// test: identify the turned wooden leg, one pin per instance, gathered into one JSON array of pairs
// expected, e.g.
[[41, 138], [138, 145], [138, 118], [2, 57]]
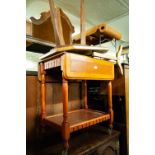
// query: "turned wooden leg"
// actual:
[[85, 94], [65, 123], [110, 109], [43, 99]]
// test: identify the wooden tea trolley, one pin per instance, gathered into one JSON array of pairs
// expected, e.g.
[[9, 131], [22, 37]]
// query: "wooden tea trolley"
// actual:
[[74, 66]]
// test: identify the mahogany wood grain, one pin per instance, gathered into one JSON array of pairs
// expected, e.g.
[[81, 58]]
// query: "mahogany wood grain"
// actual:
[[110, 108], [92, 119], [43, 93], [79, 119]]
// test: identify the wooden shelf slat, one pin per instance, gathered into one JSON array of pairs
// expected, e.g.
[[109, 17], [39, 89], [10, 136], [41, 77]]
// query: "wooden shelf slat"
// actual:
[[79, 118]]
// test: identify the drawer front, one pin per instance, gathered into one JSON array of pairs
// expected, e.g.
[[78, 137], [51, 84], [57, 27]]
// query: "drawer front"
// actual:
[[83, 67]]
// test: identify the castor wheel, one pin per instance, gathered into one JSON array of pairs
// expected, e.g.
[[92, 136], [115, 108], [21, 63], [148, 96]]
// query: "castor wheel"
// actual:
[[65, 152]]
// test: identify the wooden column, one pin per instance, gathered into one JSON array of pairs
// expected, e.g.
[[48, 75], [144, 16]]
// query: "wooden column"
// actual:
[[110, 104], [85, 94], [43, 98], [82, 23], [65, 124]]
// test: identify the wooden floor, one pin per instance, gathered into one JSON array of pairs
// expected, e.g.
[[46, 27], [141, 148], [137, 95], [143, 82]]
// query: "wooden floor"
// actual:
[[82, 142]]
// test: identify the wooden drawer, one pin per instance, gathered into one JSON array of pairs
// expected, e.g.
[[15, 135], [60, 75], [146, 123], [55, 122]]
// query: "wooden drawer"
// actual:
[[82, 67]]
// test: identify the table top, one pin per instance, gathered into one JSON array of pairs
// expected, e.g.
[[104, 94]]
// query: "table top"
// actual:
[[81, 49]]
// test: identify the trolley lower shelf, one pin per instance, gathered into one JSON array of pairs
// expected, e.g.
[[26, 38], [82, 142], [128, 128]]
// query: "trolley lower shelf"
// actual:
[[78, 119]]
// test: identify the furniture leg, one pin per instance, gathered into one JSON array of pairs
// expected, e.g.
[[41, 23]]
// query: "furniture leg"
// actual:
[[85, 94], [43, 99], [82, 23], [57, 25], [65, 123], [110, 109]]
